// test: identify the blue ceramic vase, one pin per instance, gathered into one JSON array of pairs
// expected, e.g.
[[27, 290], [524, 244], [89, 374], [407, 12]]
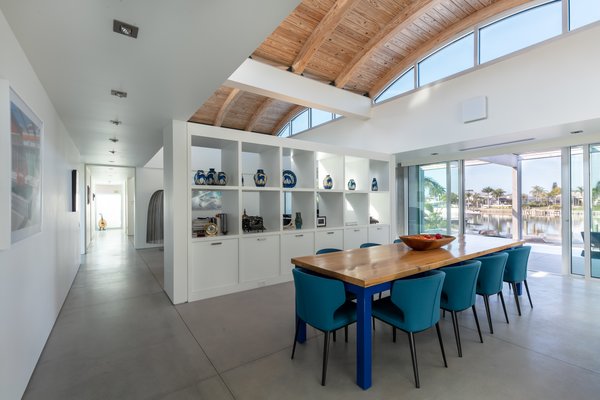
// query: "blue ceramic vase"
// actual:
[[222, 178], [200, 178], [327, 182], [374, 185], [351, 184], [260, 178], [211, 176], [298, 221]]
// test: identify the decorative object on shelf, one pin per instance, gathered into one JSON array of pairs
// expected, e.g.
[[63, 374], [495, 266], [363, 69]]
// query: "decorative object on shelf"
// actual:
[[298, 220], [211, 229], [211, 176], [155, 224], [373, 220], [200, 177], [222, 223], [374, 185], [321, 221], [289, 179], [426, 241], [252, 223], [200, 226], [203, 200], [221, 178], [351, 184], [288, 223], [327, 182], [260, 178]]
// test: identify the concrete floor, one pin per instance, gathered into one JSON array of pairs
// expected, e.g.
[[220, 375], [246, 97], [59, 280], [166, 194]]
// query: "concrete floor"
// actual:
[[119, 337]]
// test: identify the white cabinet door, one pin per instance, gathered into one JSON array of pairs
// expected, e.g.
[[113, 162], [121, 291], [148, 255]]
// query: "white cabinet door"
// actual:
[[354, 237], [214, 265], [259, 258], [295, 245], [379, 234], [329, 239]]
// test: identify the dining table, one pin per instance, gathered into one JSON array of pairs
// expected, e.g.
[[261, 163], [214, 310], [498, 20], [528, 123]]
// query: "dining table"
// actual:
[[368, 271]]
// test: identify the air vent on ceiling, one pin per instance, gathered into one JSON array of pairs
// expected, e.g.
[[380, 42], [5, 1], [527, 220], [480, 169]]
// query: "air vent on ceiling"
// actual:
[[125, 29], [496, 144]]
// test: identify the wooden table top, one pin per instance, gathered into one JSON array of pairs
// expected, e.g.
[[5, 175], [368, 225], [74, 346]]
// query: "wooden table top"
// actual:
[[379, 264]]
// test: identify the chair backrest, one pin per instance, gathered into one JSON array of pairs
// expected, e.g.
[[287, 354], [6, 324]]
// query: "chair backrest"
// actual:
[[419, 299], [328, 250], [491, 273], [317, 298], [458, 292], [516, 265], [365, 245], [397, 241]]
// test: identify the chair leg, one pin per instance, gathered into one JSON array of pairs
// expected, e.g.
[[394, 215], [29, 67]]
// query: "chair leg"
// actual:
[[373, 323], [437, 328], [413, 355], [334, 336], [477, 322], [295, 339], [486, 301], [346, 333], [394, 334], [514, 288], [456, 332], [325, 358], [528, 295], [503, 305]]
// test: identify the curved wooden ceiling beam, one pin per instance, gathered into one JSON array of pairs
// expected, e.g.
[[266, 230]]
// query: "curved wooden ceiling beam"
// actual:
[[330, 21], [233, 95], [441, 38], [258, 113], [404, 19], [286, 118]]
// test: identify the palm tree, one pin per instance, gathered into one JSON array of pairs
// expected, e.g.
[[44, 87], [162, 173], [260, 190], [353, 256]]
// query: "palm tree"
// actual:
[[488, 190], [433, 187], [538, 193], [554, 194], [497, 193]]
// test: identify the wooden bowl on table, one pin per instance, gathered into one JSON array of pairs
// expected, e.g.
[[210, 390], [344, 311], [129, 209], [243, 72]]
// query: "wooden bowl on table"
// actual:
[[426, 241]]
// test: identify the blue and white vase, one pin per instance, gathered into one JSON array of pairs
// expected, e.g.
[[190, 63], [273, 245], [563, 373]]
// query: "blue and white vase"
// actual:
[[211, 176], [260, 178], [328, 182], [200, 178], [374, 185], [351, 184], [222, 178]]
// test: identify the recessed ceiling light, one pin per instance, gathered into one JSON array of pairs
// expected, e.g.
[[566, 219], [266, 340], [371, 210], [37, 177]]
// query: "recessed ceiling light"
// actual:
[[116, 122], [118, 93], [114, 140], [125, 29], [576, 132]]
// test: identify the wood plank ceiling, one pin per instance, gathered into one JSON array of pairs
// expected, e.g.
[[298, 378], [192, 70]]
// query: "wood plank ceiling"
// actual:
[[356, 45]]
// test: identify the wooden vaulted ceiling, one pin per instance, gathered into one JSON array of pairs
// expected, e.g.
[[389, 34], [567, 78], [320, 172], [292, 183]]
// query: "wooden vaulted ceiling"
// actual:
[[355, 45]]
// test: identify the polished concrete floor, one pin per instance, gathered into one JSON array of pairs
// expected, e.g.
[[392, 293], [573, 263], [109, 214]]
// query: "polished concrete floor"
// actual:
[[119, 337]]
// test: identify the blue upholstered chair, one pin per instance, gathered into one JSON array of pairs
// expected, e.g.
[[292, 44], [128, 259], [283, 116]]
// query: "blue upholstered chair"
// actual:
[[321, 302], [489, 281], [516, 271], [397, 241], [328, 250], [458, 294], [365, 245], [414, 306]]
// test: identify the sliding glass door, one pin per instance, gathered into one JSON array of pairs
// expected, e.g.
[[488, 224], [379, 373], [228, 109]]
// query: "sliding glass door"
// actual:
[[594, 210]]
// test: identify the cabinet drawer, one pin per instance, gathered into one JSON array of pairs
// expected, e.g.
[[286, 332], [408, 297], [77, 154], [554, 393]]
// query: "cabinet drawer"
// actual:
[[329, 238], [259, 258], [214, 265], [296, 245], [379, 234], [354, 237]]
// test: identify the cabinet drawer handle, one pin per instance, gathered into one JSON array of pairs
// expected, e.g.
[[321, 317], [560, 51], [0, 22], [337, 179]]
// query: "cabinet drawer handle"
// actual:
[[357, 230], [216, 243], [300, 235], [261, 239], [379, 229], [330, 233]]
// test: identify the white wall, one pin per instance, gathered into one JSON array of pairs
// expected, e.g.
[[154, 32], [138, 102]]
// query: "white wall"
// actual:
[[147, 181], [36, 273], [555, 84]]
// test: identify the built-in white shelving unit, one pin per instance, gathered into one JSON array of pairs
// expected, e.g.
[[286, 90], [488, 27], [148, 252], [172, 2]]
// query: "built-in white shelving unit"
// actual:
[[240, 260]]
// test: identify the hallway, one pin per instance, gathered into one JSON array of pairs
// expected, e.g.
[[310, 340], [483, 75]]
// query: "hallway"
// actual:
[[119, 337]]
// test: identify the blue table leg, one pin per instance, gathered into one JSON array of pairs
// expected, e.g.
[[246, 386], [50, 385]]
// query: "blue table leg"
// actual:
[[363, 339]]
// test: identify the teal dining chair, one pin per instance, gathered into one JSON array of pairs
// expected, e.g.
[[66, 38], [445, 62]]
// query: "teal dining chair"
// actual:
[[458, 294], [321, 303], [414, 306], [397, 241], [349, 295], [328, 250], [489, 281], [365, 245], [516, 271]]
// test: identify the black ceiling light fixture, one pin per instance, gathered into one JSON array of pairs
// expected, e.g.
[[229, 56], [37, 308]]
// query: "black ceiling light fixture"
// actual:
[[576, 132], [125, 29], [113, 151], [114, 139], [118, 93], [116, 122]]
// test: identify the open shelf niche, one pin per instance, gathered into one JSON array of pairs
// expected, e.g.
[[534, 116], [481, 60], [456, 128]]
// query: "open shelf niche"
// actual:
[[358, 169], [209, 203], [265, 204], [220, 154], [356, 207], [302, 202], [333, 165], [301, 163], [329, 205], [259, 156], [380, 170], [379, 207]]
